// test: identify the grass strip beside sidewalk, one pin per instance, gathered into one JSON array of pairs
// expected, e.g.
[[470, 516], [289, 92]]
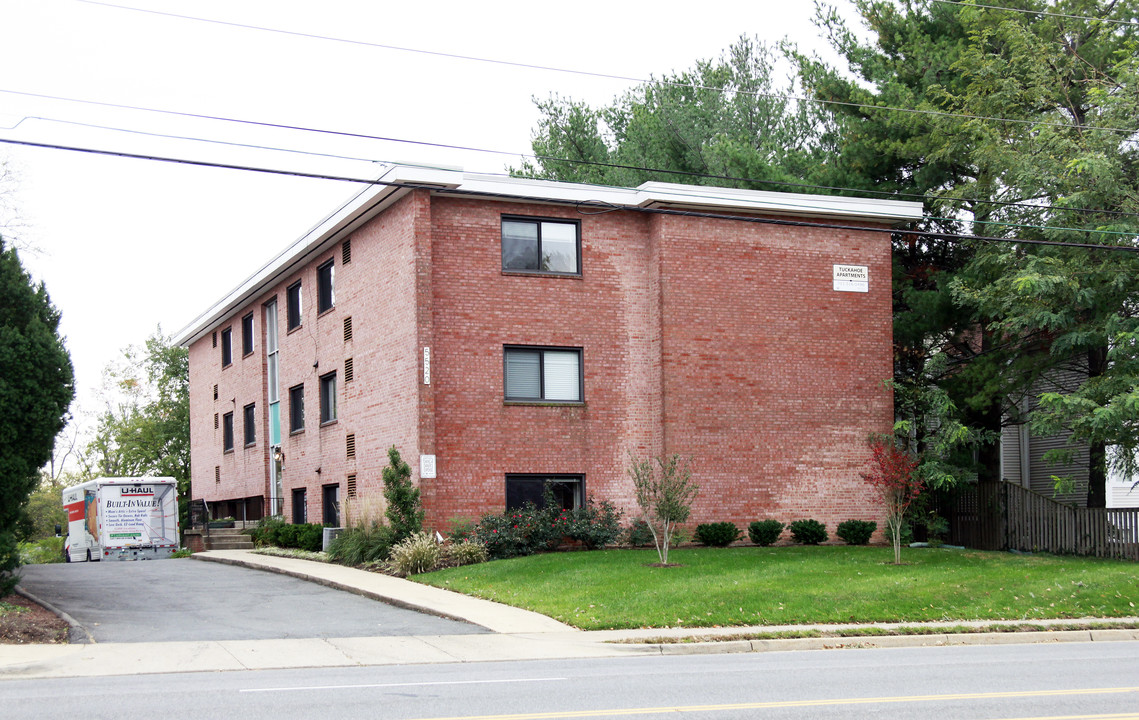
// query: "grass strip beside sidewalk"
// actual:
[[712, 587]]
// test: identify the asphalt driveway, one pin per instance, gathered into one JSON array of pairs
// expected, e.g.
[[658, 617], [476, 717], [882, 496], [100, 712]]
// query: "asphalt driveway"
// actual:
[[184, 600]]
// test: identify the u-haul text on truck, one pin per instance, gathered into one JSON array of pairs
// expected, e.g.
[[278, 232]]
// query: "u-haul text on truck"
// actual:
[[121, 519]]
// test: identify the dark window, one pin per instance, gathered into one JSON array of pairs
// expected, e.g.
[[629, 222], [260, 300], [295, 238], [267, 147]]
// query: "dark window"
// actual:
[[545, 374], [227, 432], [330, 503], [325, 294], [327, 397], [250, 424], [300, 512], [525, 489], [293, 303], [247, 334], [226, 347], [541, 246], [296, 408]]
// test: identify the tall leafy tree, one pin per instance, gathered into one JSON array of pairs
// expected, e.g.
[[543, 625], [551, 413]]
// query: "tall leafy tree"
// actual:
[[36, 389], [726, 118], [145, 429]]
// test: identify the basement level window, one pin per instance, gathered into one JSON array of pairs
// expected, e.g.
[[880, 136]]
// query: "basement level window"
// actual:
[[524, 488]]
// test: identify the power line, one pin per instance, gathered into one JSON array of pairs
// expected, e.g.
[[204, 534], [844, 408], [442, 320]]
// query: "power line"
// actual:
[[608, 76], [552, 159], [1045, 13], [249, 146], [576, 203]]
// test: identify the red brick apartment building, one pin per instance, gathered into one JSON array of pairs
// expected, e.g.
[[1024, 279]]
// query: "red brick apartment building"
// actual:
[[505, 334]]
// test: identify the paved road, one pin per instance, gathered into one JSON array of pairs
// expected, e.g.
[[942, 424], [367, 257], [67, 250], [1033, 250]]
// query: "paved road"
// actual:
[[1074, 680], [183, 600]]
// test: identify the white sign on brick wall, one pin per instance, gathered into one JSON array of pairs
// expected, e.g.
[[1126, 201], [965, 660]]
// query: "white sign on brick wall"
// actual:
[[427, 466], [426, 366], [851, 278]]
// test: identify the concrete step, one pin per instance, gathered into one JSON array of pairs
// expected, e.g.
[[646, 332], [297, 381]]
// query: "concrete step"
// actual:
[[240, 542]]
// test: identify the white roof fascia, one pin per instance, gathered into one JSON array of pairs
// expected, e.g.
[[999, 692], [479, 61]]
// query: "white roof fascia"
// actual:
[[397, 180], [658, 194]]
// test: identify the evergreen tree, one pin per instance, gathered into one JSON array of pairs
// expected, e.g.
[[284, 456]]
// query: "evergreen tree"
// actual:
[[36, 389]]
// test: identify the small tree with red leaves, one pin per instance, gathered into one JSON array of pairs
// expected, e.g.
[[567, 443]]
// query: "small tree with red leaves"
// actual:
[[892, 475]]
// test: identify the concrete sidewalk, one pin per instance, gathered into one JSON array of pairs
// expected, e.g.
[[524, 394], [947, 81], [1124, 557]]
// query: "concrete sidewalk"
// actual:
[[518, 635]]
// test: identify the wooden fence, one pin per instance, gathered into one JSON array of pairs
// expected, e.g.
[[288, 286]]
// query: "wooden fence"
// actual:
[[1003, 516]]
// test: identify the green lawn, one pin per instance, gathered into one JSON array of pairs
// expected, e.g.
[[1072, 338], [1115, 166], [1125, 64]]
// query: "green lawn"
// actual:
[[785, 585]]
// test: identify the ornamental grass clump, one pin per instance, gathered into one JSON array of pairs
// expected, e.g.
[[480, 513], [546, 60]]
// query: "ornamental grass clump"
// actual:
[[415, 554]]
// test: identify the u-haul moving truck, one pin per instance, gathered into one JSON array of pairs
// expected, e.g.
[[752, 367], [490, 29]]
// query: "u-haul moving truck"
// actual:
[[121, 519]]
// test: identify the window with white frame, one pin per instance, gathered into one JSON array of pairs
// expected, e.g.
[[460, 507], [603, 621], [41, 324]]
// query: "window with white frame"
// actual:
[[542, 374], [325, 293], [328, 398]]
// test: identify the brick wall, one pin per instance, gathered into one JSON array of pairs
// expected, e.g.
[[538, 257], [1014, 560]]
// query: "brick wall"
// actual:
[[717, 339]]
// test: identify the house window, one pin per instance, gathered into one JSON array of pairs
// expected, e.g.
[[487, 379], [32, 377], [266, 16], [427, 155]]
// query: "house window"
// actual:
[[325, 295], [293, 306], [247, 334], [541, 246], [227, 432], [328, 398], [227, 347], [297, 408], [542, 374], [250, 424], [523, 489]]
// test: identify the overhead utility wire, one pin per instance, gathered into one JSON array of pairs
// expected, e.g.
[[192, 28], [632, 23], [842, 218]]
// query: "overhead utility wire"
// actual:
[[550, 158], [577, 203], [249, 146], [608, 76], [1039, 12]]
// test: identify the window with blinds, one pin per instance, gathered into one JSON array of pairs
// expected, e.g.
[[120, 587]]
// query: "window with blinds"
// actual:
[[542, 374]]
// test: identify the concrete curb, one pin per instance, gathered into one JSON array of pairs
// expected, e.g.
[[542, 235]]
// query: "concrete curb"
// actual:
[[77, 635]]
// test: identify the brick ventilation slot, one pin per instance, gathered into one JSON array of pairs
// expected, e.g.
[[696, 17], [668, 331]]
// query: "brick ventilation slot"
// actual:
[[350, 442], [215, 338], [215, 421], [217, 473], [348, 371], [215, 392], [352, 485], [347, 328], [346, 252]]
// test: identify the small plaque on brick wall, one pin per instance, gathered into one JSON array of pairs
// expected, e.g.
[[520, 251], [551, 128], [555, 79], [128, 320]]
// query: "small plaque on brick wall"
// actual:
[[851, 278], [427, 466], [426, 366]]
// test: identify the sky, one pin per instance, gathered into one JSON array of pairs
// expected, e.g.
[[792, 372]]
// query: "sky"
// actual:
[[126, 246]]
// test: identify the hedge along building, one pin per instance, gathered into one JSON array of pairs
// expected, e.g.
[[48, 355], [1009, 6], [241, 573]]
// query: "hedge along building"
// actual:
[[508, 334]]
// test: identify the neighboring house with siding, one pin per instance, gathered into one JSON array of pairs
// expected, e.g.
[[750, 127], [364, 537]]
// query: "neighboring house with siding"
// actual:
[[508, 335], [1023, 453]]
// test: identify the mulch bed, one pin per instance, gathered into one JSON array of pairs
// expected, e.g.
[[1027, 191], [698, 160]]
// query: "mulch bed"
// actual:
[[36, 625]]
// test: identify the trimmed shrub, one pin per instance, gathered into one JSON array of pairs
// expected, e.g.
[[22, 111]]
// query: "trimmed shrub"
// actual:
[[460, 529], [717, 534], [638, 534], [808, 532], [417, 553], [765, 532], [362, 544], [856, 532]]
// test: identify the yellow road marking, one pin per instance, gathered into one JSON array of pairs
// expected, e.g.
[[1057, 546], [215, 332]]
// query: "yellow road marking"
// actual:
[[614, 712]]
